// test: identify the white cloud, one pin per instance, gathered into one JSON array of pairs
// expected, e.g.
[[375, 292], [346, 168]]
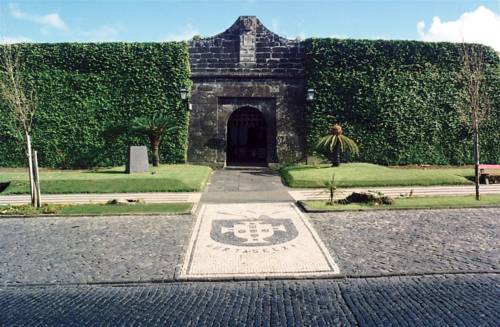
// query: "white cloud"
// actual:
[[103, 33], [47, 22], [14, 39], [479, 26], [186, 33]]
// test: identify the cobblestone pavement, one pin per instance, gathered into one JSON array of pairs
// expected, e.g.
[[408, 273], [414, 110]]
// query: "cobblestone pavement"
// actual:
[[89, 249], [445, 300], [102, 249], [412, 241]]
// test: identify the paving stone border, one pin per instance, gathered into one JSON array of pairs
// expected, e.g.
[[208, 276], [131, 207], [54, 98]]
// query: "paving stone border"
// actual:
[[444, 300]]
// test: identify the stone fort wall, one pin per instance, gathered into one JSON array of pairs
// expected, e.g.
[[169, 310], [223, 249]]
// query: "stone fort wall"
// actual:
[[246, 65]]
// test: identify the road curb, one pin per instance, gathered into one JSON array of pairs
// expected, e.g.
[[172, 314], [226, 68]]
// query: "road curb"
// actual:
[[303, 206], [177, 280]]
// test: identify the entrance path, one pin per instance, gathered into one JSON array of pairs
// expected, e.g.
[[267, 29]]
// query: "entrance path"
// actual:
[[245, 185], [255, 240]]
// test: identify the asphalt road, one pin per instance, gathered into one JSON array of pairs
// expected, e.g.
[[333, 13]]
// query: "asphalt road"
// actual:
[[438, 300]]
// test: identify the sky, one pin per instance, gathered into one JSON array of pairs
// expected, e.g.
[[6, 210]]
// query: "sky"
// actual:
[[174, 20]]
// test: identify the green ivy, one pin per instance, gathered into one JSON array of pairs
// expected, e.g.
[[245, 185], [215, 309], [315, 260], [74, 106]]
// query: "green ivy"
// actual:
[[398, 100], [88, 93]]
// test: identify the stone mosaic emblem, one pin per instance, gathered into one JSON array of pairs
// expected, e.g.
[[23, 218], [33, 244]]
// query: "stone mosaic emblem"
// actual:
[[250, 232], [255, 240]]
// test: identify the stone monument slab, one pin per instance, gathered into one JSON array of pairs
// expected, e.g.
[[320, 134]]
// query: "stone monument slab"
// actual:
[[137, 160]]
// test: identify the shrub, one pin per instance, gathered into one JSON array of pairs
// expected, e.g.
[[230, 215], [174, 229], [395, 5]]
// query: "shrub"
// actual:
[[398, 100], [86, 92]]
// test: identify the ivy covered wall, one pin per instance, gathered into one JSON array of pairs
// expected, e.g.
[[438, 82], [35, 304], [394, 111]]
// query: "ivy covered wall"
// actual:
[[398, 100], [88, 93]]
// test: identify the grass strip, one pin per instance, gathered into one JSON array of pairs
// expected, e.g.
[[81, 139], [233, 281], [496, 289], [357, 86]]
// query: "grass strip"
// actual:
[[96, 209], [438, 202], [166, 178], [371, 175]]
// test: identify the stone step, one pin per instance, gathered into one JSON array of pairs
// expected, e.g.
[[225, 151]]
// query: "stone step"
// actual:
[[320, 194], [173, 197]]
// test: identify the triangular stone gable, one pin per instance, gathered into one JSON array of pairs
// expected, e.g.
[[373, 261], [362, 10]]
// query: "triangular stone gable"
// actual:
[[249, 48]]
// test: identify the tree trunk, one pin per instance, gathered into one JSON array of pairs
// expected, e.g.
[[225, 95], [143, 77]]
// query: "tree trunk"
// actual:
[[36, 178], [335, 155], [155, 149], [30, 168], [476, 157]]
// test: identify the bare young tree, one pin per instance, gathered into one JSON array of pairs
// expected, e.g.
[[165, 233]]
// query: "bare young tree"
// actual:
[[20, 100], [476, 104]]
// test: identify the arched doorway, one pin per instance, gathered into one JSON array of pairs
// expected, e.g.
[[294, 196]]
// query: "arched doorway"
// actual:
[[246, 137]]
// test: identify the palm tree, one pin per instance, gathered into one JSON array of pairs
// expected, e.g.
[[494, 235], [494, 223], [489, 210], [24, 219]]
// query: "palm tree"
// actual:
[[154, 127], [335, 143]]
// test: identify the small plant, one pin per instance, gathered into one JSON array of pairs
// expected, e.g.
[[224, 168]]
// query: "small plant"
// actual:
[[27, 210], [17, 210], [335, 143], [368, 198], [332, 188], [50, 208]]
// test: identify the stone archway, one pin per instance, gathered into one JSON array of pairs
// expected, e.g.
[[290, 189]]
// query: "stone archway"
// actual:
[[246, 137]]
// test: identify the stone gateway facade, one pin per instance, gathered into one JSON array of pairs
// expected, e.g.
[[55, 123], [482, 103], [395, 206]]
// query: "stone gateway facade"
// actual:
[[248, 97]]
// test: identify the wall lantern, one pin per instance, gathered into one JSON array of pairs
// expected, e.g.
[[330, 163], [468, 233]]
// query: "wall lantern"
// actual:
[[184, 94], [185, 98], [310, 95]]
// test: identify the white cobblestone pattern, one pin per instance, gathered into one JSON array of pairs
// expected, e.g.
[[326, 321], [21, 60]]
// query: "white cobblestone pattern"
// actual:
[[257, 240]]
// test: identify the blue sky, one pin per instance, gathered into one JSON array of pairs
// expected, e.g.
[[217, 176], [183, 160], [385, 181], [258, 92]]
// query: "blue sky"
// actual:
[[113, 20]]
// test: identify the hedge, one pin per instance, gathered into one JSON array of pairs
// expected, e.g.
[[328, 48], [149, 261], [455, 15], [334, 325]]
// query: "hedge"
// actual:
[[87, 93], [398, 100]]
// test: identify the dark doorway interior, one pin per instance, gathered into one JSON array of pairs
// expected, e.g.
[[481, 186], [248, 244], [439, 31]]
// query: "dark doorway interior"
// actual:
[[246, 137]]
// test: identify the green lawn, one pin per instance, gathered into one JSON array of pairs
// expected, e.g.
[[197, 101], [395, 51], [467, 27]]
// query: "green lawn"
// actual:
[[98, 209], [166, 178], [365, 174], [413, 203]]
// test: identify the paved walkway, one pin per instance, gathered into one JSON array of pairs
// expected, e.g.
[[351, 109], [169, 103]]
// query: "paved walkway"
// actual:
[[446, 300], [245, 185]]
